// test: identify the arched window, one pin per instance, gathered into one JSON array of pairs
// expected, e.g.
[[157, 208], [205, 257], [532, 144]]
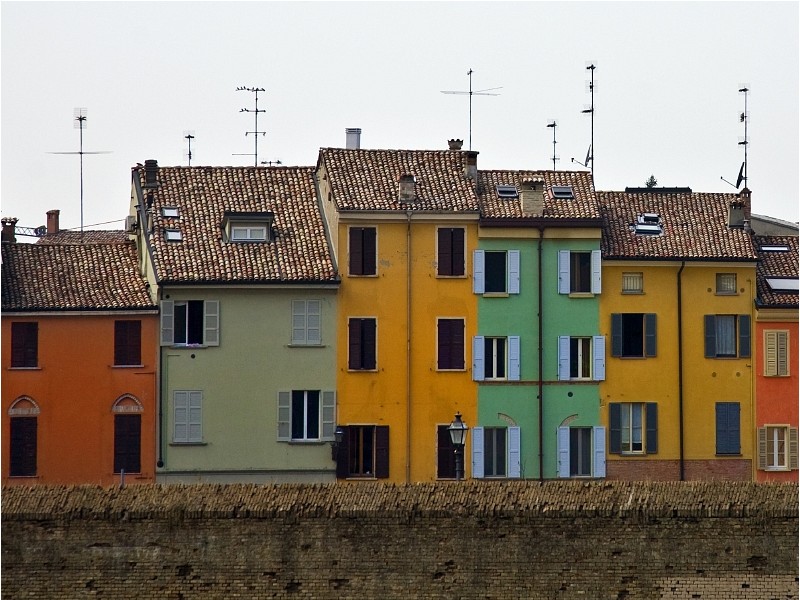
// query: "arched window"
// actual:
[[127, 411], [24, 425]]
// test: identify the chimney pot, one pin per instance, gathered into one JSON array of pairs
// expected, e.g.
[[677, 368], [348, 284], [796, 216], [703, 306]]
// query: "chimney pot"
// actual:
[[407, 191], [151, 173], [52, 221], [353, 138], [8, 234], [455, 144], [471, 166]]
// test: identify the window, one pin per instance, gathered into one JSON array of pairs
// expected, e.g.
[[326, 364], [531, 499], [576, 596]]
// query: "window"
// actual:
[[726, 283], [190, 323], [495, 272], [127, 443], [362, 344], [648, 224], [581, 452], [188, 415], [579, 272], [783, 284], [450, 252], [633, 428], [562, 192], [306, 415], [363, 249], [582, 358], [496, 452], [633, 335], [506, 191], [727, 336], [777, 448], [633, 283], [243, 227], [495, 358], [450, 344], [776, 353], [127, 343], [445, 453], [24, 344], [364, 452], [173, 235], [306, 322], [728, 439], [23, 447], [245, 233], [170, 211]]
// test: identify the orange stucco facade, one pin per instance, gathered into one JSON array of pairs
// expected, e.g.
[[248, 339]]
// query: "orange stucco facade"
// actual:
[[76, 394]]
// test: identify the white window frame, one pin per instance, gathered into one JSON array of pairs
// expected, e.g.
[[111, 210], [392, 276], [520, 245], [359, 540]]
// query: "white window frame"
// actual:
[[306, 322], [479, 272], [628, 424], [598, 453], [564, 274], [173, 235], [769, 440], [726, 284], [248, 233], [513, 453], [776, 353], [513, 362], [211, 323], [187, 425], [597, 359], [327, 416]]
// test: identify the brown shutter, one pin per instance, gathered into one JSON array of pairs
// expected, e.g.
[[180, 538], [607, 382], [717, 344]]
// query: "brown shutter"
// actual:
[[382, 451], [354, 344], [445, 251], [458, 252], [24, 344], [23, 447], [127, 342], [445, 457], [356, 251], [127, 443], [343, 456], [370, 250]]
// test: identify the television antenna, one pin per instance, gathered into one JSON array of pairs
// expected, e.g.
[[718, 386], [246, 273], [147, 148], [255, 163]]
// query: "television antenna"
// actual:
[[486, 92], [270, 163], [189, 136], [80, 118], [553, 124], [255, 112], [589, 161], [743, 118]]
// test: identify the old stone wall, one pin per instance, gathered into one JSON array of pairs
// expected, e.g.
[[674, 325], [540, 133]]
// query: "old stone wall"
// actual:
[[721, 541]]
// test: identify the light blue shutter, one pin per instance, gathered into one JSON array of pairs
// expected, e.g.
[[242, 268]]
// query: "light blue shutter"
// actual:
[[513, 271], [180, 431], [478, 283], [514, 445], [478, 369], [513, 358], [195, 416], [599, 440], [477, 452], [314, 331], [211, 322], [284, 416], [563, 357], [298, 322], [596, 266], [328, 416], [563, 271], [599, 357], [563, 451], [167, 322]]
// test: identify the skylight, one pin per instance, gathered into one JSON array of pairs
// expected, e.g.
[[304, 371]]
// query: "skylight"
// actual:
[[170, 211], [505, 190], [779, 248], [783, 284], [648, 224], [562, 192], [173, 235]]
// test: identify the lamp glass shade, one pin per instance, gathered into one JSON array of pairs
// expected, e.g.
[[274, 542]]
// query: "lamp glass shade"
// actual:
[[339, 435], [458, 431]]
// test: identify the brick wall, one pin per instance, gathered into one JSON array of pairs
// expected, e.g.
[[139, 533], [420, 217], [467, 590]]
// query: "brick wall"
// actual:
[[446, 540], [669, 470]]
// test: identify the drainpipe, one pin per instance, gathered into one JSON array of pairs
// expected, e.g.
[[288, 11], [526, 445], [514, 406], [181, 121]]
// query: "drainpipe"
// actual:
[[680, 370], [160, 391], [408, 346], [541, 363]]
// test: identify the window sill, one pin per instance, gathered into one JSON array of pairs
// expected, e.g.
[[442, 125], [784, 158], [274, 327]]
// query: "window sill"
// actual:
[[731, 454], [776, 469], [371, 275], [726, 293], [306, 442], [439, 276], [633, 292], [581, 295], [25, 368], [361, 478], [24, 477], [188, 443], [362, 370], [127, 366], [187, 346], [496, 294], [306, 345]]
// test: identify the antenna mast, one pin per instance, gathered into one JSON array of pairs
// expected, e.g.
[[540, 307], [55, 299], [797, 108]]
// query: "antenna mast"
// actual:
[[256, 110], [744, 117], [471, 94], [189, 136], [554, 124], [590, 155]]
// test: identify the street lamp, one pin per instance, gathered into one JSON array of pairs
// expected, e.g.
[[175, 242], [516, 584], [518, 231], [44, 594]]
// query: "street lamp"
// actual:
[[458, 435], [338, 438]]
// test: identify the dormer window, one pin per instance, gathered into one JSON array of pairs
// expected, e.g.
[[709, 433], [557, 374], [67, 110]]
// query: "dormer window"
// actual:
[[173, 235], [648, 224], [243, 233], [241, 227], [783, 284], [562, 192], [506, 191], [170, 212]]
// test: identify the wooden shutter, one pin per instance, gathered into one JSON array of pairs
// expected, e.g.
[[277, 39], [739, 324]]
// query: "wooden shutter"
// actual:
[[563, 357], [478, 364], [369, 344], [313, 322], [24, 344], [180, 431], [127, 342], [195, 424], [450, 351], [382, 451], [370, 250], [599, 357], [299, 322], [211, 322], [356, 251], [514, 453], [776, 353], [744, 336], [650, 334], [445, 454], [167, 322], [477, 452], [651, 427], [562, 439], [793, 448], [328, 416], [614, 428], [728, 438], [782, 343], [127, 443], [458, 252], [596, 276], [444, 259], [343, 455], [478, 272], [513, 271], [354, 360], [284, 416], [599, 442], [616, 334], [513, 358], [23, 446], [762, 448], [563, 271], [710, 324]]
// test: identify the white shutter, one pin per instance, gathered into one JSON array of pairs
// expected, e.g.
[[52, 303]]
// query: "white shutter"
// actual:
[[513, 271], [513, 358], [195, 416], [298, 322], [762, 448], [596, 271], [284, 416], [211, 322], [563, 271], [599, 357], [180, 426], [477, 452], [563, 451], [328, 415], [167, 322], [478, 283], [563, 357], [478, 368], [514, 447], [782, 343], [314, 323], [770, 353], [793, 448], [599, 441]]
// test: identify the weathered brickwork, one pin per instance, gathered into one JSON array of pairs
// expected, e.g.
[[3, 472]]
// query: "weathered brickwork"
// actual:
[[670, 470], [712, 541]]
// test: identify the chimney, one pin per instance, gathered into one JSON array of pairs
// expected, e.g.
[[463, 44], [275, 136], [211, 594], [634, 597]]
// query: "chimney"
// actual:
[[455, 144], [151, 174], [353, 135], [745, 196], [471, 168], [8, 234], [736, 214], [407, 189], [532, 197], [52, 221]]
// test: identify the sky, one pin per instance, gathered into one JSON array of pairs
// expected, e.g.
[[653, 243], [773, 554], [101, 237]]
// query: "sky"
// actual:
[[666, 91]]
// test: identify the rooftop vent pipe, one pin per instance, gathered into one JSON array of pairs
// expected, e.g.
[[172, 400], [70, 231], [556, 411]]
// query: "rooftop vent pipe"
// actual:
[[353, 138]]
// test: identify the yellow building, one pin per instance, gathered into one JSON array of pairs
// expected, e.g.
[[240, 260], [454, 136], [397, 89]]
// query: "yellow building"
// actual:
[[403, 225], [677, 303]]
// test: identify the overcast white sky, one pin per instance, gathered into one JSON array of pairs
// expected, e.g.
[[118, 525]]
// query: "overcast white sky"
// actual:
[[666, 90]]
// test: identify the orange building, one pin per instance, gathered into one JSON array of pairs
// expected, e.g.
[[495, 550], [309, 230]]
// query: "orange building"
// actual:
[[776, 365], [78, 358]]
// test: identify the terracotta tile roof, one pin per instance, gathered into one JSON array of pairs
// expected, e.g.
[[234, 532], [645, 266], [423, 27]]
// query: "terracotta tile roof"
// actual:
[[776, 264], [88, 237], [582, 206], [72, 277], [367, 180], [694, 227], [298, 253]]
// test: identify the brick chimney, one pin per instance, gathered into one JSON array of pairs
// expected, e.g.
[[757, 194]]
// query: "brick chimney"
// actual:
[[353, 138], [532, 197], [745, 197], [151, 174], [52, 221], [471, 167], [8, 234], [407, 189], [455, 144]]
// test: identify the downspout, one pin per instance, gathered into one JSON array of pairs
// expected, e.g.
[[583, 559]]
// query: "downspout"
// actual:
[[541, 363], [680, 370], [160, 432], [408, 346]]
